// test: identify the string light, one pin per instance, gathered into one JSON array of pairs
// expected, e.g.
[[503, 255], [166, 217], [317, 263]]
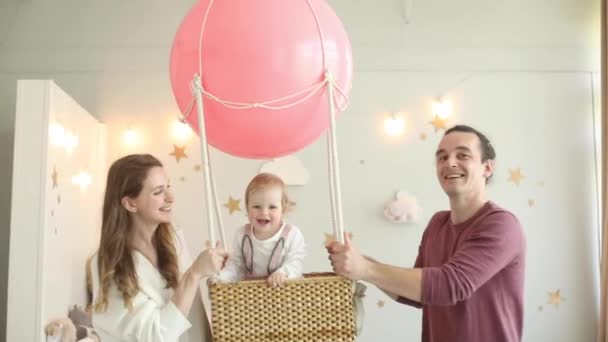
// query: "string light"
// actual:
[[70, 142], [82, 179], [61, 137], [181, 131], [56, 134], [442, 109], [394, 125], [130, 137]]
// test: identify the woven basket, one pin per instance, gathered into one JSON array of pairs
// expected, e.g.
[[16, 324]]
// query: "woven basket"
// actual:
[[317, 308]]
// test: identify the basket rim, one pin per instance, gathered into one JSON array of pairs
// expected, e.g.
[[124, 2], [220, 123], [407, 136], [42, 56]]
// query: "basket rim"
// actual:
[[306, 277]]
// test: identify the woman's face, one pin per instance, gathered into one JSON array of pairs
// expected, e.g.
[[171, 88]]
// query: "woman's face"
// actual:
[[154, 203]]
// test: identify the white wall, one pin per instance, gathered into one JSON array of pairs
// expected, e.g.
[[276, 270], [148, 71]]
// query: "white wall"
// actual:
[[55, 223], [520, 59]]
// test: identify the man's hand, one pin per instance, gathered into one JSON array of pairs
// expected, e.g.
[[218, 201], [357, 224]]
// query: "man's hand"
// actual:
[[347, 261]]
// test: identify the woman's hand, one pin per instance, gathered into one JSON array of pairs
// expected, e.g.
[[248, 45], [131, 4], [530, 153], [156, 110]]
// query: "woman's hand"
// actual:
[[209, 261]]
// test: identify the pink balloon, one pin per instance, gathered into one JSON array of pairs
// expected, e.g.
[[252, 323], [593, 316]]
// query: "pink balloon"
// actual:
[[255, 51]]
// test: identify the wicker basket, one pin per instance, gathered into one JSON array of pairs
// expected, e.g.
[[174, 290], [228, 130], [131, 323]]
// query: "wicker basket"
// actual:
[[317, 308]]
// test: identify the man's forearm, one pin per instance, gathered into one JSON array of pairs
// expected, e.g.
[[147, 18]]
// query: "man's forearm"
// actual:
[[405, 282]]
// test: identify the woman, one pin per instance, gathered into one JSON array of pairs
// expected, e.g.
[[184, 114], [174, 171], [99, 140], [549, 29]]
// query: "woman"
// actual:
[[144, 286]]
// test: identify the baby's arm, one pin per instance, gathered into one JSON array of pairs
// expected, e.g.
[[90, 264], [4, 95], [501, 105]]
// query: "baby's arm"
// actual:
[[235, 268], [295, 251]]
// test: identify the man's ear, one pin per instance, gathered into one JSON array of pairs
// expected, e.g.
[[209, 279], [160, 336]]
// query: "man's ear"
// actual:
[[488, 168], [128, 204]]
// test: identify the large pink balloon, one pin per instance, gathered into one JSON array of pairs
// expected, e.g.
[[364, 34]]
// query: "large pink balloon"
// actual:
[[255, 51]]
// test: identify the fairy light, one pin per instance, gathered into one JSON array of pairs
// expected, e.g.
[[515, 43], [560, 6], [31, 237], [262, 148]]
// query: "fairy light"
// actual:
[[394, 125], [442, 109], [82, 179], [181, 131], [130, 137]]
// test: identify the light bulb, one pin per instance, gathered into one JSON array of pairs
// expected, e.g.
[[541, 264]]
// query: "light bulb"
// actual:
[[83, 180], [70, 142], [442, 109], [130, 137], [181, 131], [394, 125], [56, 134]]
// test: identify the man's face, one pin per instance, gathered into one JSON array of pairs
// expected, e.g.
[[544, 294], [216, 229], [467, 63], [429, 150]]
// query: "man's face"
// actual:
[[459, 167]]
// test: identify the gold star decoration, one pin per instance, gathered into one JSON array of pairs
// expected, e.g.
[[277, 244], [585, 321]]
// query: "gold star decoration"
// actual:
[[233, 205], [556, 298], [422, 136], [329, 238], [439, 123], [54, 176], [197, 167], [179, 152], [515, 176], [531, 202], [380, 304]]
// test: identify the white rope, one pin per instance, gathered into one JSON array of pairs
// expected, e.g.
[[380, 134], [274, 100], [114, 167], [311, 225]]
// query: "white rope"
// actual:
[[332, 193], [205, 157], [216, 203], [242, 105], [334, 165], [200, 41], [314, 14]]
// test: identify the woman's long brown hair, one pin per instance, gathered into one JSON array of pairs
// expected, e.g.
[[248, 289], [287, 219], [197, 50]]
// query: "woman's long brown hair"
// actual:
[[114, 257]]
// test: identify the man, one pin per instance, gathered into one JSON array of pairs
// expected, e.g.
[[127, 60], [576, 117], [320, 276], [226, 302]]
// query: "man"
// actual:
[[469, 274]]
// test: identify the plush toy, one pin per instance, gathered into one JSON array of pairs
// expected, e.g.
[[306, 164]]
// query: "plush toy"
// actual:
[[83, 322], [403, 209], [60, 330], [77, 327]]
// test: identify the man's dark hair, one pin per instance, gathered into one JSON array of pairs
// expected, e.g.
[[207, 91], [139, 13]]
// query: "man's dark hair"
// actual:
[[487, 150]]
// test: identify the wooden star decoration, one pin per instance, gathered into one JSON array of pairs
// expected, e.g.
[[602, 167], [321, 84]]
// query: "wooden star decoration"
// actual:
[[439, 123], [380, 304], [515, 176], [531, 202], [329, 238], [179, 152], [233, 205], [54, 177], [555, 298]]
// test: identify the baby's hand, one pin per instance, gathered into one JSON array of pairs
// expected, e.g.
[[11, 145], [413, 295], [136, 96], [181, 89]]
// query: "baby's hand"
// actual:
[[276, 279]]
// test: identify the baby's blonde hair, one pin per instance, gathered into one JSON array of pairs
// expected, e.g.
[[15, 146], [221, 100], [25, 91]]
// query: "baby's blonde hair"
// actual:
[[266, 180]]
